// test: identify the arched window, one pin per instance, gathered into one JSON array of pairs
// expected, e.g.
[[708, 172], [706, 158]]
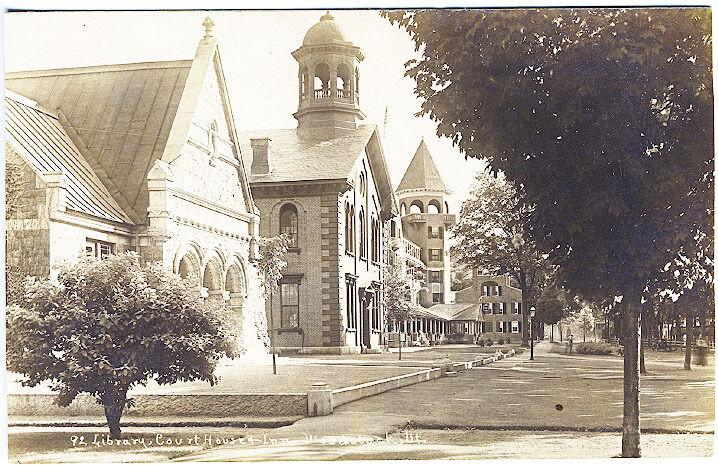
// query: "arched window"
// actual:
[[374, 242], [289, 224], [434, 207], [362, 184], [403, 209], [446, 207], [349, 228], [362, 234], [213, 141]]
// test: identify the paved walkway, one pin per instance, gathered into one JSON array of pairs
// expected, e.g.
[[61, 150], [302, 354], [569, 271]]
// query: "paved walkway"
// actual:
[[553, 392], [296, 374]]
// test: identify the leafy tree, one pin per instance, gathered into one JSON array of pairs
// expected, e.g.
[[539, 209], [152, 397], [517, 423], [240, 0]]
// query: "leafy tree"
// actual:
[[271, 263], [105, 326], [604, 117], [398, 306], [491, 236], [553, 305]]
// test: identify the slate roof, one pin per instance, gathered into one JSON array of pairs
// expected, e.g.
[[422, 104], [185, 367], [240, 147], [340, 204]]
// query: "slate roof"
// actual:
[[118, 115], [295, 159], [422, 173], [37, 136]]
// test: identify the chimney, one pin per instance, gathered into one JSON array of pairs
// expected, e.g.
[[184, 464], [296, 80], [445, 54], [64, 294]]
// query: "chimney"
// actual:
[[260, 156]]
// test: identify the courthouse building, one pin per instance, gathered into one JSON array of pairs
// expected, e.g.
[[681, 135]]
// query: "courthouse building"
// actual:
[[117, 157], [325, 183]]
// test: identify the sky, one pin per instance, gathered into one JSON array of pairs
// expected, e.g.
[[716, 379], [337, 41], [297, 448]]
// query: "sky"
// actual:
[[260, 73]]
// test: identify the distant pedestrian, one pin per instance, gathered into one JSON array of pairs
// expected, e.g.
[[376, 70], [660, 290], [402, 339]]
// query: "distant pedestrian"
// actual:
[[701, 351], [570, 344]]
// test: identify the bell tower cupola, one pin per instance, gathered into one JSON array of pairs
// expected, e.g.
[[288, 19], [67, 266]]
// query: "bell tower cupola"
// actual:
[[328, 82]]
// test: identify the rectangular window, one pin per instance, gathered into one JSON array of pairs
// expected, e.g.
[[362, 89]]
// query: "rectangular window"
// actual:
[[438, 298], [485, 290], [486, 308], [435, 232], [435, 276], [435, 255], [502, 308], [289, 298], [489, 325], [500, 326], [351, 302], [514, 326], [517, 308], [99, 249]]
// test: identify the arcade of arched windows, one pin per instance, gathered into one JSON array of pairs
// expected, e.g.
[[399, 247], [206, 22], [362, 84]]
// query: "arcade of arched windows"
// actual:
[[215, 277]]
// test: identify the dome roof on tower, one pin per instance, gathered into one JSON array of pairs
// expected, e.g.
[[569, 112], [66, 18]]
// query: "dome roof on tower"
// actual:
[[325, 31]]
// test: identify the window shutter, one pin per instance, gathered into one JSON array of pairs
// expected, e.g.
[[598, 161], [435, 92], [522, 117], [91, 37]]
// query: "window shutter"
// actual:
[[519, 326], [499, 289]]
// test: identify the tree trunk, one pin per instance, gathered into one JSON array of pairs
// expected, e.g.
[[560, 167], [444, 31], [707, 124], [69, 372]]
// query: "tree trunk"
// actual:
[[642, 348], [114, 404], [399, 342], [690, 323], [631, 441]]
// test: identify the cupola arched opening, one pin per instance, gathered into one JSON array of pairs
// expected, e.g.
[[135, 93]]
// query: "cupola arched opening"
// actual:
[[403, 208], [446, 207], [344, 81], [433, 207], [304, 83], [417, 206], [322, 81]]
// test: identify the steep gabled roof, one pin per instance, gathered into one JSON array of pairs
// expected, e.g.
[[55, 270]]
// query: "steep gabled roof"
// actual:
[[422, 173], [119, 116], [37, 136]]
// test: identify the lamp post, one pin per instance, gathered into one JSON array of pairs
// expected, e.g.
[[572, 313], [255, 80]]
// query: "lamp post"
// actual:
[[531, 330]]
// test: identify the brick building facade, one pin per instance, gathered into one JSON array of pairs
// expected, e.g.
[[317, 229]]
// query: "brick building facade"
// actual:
[[326, 184]]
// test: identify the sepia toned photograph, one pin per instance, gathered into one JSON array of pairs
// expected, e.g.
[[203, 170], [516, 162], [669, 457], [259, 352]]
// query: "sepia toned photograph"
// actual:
[[354, 233]]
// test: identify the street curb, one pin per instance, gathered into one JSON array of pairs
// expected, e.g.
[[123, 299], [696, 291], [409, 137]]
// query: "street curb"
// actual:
[[219, 422], [551, 428]]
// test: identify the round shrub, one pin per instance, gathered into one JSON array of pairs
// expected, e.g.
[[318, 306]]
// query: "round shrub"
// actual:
[[489, 342]]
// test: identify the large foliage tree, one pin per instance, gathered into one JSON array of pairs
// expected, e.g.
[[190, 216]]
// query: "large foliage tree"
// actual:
[[604, 117], [104, 326], [491, 236]]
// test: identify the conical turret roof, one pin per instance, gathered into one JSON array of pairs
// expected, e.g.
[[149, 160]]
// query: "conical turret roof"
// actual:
[[422, 173]]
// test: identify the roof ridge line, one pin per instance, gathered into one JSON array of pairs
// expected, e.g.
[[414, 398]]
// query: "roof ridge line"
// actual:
[[114, 67]]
